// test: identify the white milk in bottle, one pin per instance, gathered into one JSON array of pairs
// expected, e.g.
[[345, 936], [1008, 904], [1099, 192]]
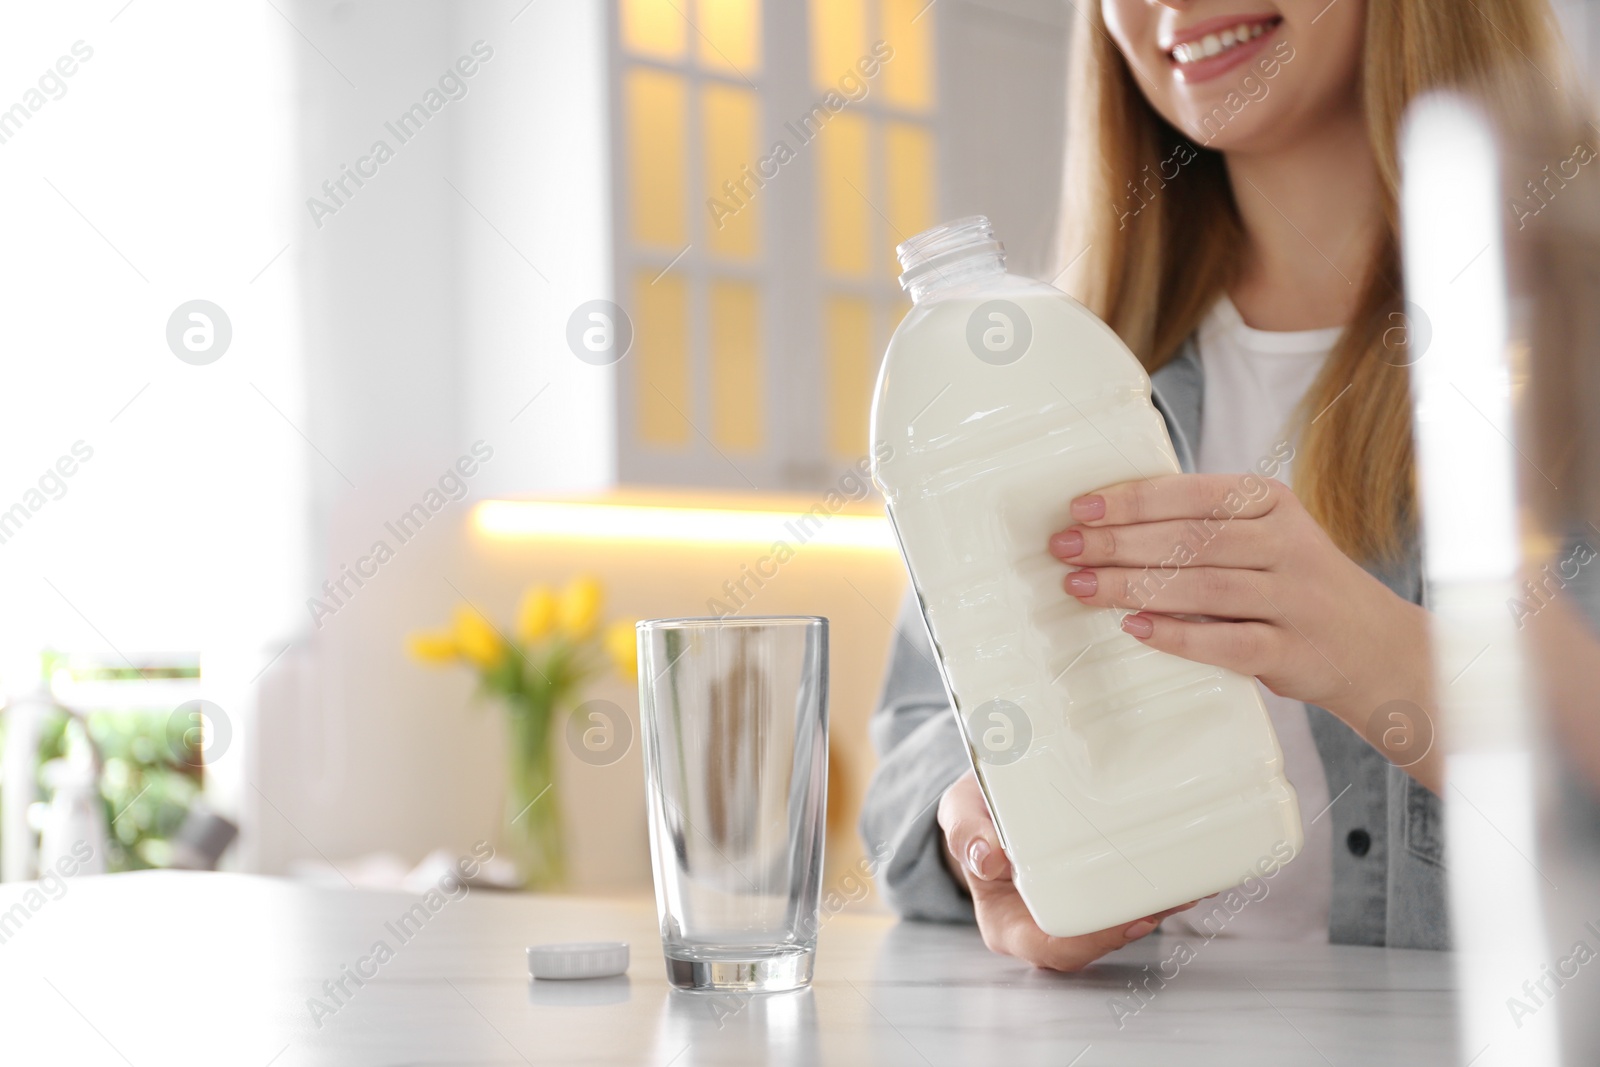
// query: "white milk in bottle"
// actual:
[[1123, 780]]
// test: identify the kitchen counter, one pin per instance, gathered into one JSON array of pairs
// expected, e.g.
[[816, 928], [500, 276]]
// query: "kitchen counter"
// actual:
[[168, 968]]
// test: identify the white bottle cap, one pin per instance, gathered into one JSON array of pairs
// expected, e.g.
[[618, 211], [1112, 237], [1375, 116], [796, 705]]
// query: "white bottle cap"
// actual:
[[582, 959]]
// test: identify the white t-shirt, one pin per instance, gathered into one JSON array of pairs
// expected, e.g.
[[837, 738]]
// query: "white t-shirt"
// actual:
[[1254, 382]]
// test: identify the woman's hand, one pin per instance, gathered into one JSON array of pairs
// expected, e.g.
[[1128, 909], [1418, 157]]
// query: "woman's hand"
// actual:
[[972, 852], [1282, 602]]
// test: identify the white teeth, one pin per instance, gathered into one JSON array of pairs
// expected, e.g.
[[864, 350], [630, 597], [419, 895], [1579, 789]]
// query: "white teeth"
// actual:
[[1215, 44]]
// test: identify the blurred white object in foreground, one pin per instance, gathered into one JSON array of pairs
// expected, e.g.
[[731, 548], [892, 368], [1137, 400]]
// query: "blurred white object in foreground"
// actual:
[[1455, 283]]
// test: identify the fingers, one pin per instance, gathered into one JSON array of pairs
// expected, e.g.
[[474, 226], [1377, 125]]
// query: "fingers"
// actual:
[[1008, 929], [1134, 931], [971, 840], [1168, 545], [1245, 647], [1180, 496], [1224, 592]]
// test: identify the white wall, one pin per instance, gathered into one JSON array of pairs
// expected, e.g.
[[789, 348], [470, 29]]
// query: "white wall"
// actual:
[[429, 330], [1002, 83], [533, 157], [151, 176]]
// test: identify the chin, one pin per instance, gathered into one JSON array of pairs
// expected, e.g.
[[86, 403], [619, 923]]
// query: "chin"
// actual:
[[1227, 112], [1257, 128]]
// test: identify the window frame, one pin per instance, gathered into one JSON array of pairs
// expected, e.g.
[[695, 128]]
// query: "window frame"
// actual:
[[787, 270]]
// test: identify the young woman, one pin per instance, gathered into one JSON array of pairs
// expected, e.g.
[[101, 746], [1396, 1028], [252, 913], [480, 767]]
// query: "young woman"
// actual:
[[1231, 210]]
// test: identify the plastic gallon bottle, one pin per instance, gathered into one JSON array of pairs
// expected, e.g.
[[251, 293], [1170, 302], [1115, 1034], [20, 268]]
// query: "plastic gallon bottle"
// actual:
[[1122, 780]]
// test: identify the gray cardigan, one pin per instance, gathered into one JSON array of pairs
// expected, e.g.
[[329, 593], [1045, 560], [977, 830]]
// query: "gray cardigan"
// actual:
[[1388, 831]]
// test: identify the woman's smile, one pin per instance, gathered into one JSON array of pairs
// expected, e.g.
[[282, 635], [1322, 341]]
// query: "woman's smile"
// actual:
[[1297, 63], [1208, 49]]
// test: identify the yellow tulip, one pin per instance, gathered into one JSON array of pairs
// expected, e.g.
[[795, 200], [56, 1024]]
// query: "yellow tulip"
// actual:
[[536, 616], [623, 647], [580, 608], [477, 640], [432, 647]]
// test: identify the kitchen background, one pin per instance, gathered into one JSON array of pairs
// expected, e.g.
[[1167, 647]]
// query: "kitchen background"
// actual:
[[722, 182]]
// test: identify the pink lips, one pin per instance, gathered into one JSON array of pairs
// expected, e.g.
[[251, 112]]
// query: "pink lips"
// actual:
[[1214, 66]]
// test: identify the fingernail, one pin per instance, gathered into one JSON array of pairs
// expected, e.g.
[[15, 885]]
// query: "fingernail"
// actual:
[[1138, 929], [1089, 507], [1138, 626], [1082, 583], [1067, 543], [977, 852]]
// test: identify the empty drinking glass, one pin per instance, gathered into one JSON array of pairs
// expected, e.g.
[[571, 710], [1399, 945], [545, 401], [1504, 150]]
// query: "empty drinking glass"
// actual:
[[734, 717]]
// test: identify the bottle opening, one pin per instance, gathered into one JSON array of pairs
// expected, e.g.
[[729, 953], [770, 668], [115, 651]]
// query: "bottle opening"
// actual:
[[947, 253]]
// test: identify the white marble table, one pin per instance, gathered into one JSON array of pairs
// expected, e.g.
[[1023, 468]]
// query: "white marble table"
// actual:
[[170, 968]]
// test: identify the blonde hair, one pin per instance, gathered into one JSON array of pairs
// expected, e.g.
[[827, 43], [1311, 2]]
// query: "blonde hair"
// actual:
[[1154, 274]]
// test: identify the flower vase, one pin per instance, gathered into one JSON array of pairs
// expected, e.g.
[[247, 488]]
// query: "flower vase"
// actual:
[[533, 808]]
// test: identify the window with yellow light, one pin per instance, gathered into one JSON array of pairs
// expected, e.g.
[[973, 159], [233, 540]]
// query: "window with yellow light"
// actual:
[[710, 110], [875, 188]]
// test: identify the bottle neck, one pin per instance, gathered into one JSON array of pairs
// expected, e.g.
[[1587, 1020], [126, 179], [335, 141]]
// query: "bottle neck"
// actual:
[[950, 256], [952, 275]]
